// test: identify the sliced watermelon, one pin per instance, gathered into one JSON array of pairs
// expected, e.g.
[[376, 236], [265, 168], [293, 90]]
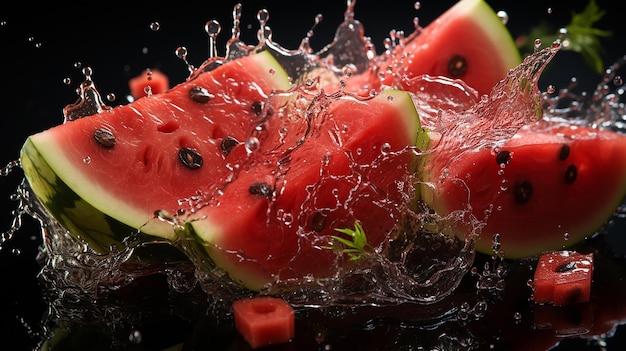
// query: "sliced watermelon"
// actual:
[[104, 176], [354, 165], [259, 181], [469, 42], [548, 187]]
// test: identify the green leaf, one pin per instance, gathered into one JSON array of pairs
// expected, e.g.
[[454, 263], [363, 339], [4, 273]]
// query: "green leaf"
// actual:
[[354, 248], [579, 36]]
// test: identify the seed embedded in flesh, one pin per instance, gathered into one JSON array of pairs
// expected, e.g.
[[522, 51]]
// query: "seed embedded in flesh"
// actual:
[[228, 144], [257, 107], [564, 152], [190, 158], [503, 157], [319, 222], [104, 138], [261, 189], [523, 191], [200, 94], [457, 66], [566, 267], [570, 174]]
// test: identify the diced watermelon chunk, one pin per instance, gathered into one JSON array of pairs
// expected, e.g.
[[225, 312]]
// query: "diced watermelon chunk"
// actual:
[[149, 82], [264, 321], [563, 278]]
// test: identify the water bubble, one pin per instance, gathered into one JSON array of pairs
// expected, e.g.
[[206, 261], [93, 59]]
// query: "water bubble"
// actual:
[[135, 336], [155, 26], [504, 17], [417, 5], [617, 80], [549, 10], [87, 159], [213, 29], [111, 96], [319, 337], [181, 53], [252, 144], [67, 81], [550, 89]]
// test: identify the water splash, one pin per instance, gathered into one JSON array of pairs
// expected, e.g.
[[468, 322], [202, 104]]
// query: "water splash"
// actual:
[[418, 265]]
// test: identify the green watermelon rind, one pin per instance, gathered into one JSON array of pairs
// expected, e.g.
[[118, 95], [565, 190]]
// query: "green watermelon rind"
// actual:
[[493, 28], [87, 210], [80, 218]]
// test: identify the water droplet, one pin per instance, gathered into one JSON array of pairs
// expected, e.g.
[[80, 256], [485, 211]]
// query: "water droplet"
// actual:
[[417, 5], [252, 144], [213, 29], [504, 17], [155, 26], [87, 159], [135, 336]]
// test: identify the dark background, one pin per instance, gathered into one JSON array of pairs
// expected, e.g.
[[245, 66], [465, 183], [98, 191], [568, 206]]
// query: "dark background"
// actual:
[[39, 46]]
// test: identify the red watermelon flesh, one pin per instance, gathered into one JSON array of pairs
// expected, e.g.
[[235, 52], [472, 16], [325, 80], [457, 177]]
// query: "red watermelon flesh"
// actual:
[[548, 187], [353, 165], [533, 186], [120, 166], [259, 181], [469, 42]]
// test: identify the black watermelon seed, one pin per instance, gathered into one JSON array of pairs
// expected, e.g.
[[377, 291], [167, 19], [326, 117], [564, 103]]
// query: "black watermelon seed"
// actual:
[[104, 138], [523, 191], [319, 221], [257, 107], [503, 157], [200, 94], [190, 158], [566, 267], [228, 144], [564, 152], [457, 65], [570, 174], [261, 189]]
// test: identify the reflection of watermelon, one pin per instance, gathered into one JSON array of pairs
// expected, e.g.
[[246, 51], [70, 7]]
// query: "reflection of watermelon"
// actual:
[[261, 180], [468, 42]]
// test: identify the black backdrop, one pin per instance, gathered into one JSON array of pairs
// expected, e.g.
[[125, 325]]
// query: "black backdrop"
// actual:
[[39, 46]]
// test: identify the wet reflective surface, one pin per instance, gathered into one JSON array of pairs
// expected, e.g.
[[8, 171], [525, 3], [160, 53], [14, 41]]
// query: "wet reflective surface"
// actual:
[[148, 315]]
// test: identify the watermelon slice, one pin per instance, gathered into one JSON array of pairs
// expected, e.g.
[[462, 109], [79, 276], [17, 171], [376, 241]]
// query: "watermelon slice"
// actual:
[[225, 169], [469, 42], [518, 184], [103, 177], [550, 186], [355, 165]]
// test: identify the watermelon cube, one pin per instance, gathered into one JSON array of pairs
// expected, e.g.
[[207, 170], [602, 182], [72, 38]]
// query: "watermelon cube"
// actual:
[[563, 278], [264, 321]]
